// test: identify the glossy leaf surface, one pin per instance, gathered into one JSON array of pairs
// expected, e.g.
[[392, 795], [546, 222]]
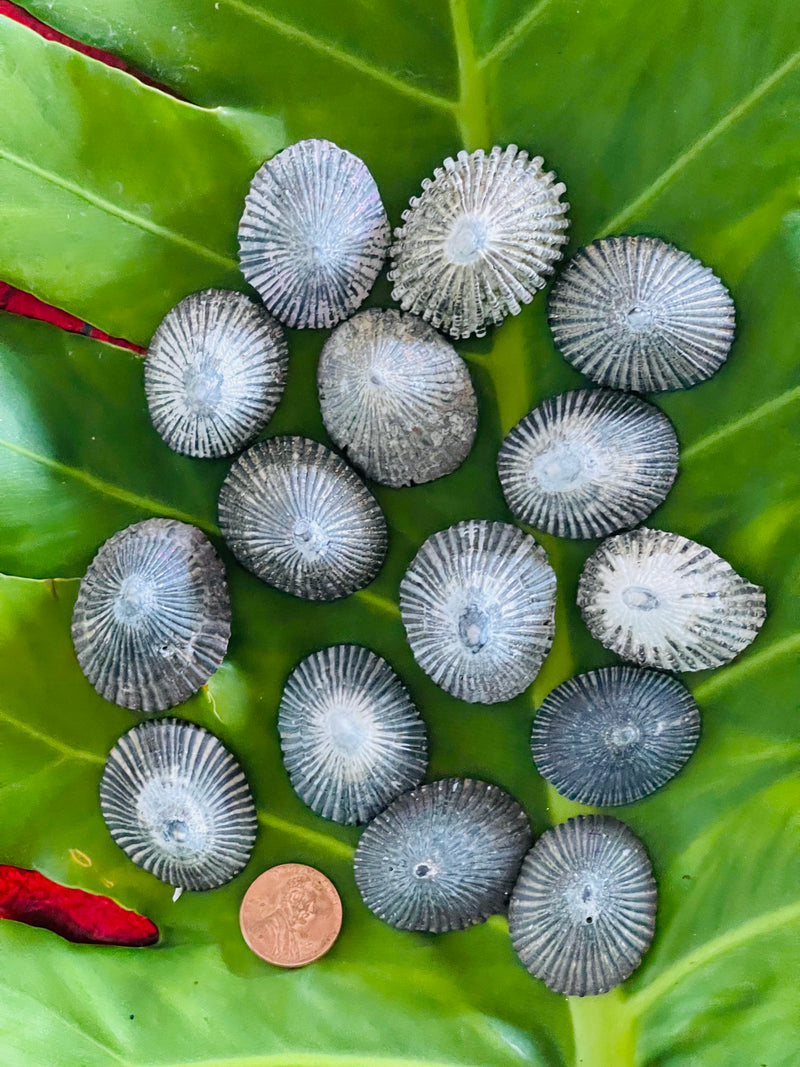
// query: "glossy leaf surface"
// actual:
[[677, 120]]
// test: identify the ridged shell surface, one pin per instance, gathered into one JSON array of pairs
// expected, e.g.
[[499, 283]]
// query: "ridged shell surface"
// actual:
[[314, 234], [637, 313], [442, 857], [614, 735], [152, 619], [582, 914], [661, 600], [396, 397], [214, 373], [299, 518], [479, 241], [351, 737], [588, 463], [478, 605], [177, 802]]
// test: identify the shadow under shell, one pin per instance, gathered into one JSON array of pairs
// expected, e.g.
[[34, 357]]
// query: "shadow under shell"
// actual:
[[152, 619]]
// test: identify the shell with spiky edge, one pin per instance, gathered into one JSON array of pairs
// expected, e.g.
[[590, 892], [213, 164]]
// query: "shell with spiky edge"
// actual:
[[588, 463], [442, 857], [214, 373], [351, 737], [614, 735], [661, 600], [479, 241], [300, 519], [478, 605], [637, 313], [177, 802], [582, 913], [314, 234], [396, 397], [152, 619]]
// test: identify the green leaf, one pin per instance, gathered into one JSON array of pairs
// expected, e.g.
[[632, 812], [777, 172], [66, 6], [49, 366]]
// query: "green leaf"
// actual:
[[675, 119]]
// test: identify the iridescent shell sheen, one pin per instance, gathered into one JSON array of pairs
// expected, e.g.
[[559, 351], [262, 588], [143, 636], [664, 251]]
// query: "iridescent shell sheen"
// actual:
[[214, 373], [479, 241], [314, 234], [152, 619], [442, 857], [637, 313], [478, 605], [661, 600], [175, 799], [588, 463], [351, 737], [299, 518], [396, 397], [614, 735], [582, 913]]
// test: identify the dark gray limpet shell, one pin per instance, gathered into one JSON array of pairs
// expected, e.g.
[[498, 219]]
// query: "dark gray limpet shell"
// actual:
[[479, 241], [299, 518], [661, 600], [152, 619], [351, 738], [478, 605], [442, 857], [176, 800], [582, 913], [214, 373], [588, 463], [314, 234], [637, 313], [614, 735], [396, 397]]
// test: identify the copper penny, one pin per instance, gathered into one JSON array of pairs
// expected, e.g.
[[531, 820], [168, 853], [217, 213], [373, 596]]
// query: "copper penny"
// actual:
[[291, 915]]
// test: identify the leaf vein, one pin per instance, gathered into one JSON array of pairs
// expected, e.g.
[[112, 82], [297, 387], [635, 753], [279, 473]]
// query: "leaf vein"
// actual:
[[753, 416], [59, 746], [515, 34], [339, 55], [656, 187]]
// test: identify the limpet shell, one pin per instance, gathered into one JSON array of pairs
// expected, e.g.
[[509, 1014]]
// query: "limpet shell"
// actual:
[[152, 619], [177, 802], [478, 605], [588, 463], [396, 397], [637, 313], [299, 518], [582, 913], [351, 737], [314, 234], [214, 373], [479, 241], [442, 857], [661, 600], [614, 735]]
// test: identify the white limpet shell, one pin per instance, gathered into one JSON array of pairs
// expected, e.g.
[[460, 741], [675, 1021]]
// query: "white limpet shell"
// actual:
[[637, 313], [152, 619], [661, 600], [588, 463], [396, 397], [442, 857], [178, 803], [582, 913], [214, 373], [300, 519], [314, 234], [478, 605], [351, 738], [479, 241]]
